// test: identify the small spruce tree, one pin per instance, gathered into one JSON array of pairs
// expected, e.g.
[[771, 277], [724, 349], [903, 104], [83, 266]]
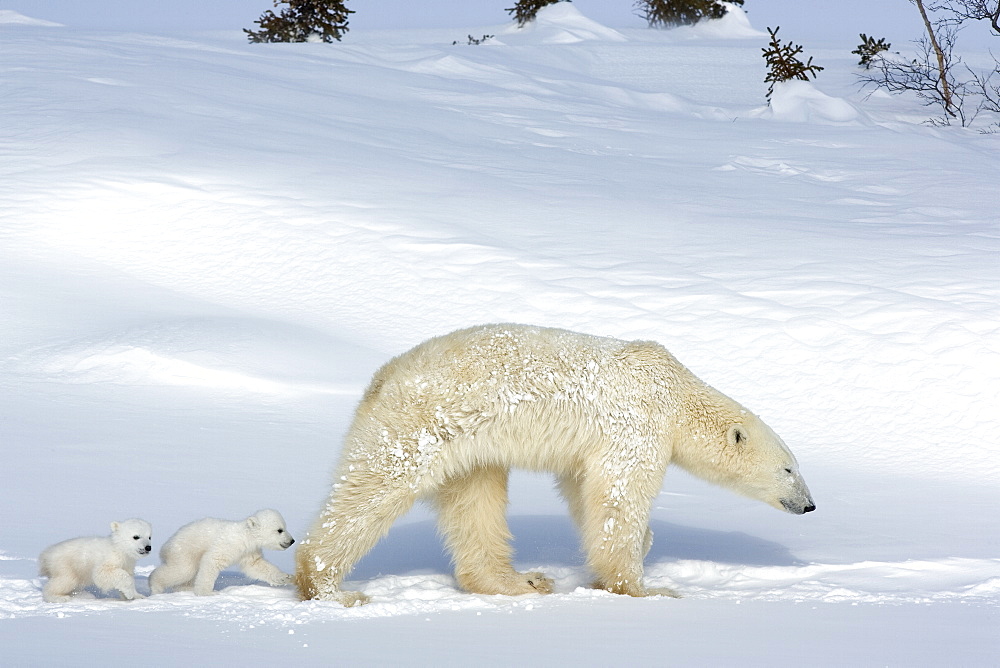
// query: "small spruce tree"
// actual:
[[869, 49], [524, 11], [783, 65], [667, 13], [302, 20]]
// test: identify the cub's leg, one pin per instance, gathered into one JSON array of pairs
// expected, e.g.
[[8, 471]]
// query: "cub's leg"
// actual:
[[60, 587], [176, 572], [259, 568], [472, 519], [209, 568], [109, 578]]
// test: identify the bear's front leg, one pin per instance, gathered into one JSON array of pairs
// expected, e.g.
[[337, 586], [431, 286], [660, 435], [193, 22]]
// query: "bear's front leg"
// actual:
[[612, 501]]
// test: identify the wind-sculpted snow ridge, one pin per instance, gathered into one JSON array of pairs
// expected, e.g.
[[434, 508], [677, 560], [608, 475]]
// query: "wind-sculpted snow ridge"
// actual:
[[9, 17], [240, 602], [234, 354]]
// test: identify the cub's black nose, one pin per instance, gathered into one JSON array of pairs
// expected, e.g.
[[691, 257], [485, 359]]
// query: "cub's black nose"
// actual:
[[149, 548], [808, 509]]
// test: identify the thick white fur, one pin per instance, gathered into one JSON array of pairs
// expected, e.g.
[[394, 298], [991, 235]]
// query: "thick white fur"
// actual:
[[195, 555], [108, 562], [449, 418]]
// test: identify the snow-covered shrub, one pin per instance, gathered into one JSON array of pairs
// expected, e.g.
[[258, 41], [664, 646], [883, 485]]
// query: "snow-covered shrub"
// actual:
[[660, 13], [475, 41], [302, 21], [782, 63], [524, 10]]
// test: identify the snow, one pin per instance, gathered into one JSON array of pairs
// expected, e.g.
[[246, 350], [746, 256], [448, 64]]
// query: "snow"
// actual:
[[801, 102], [559, 23], [207, 247], [10, 17]]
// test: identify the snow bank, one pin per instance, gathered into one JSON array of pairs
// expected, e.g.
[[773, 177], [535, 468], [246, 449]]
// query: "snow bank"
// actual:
[[734, 25], [560, 23], [801, 102]]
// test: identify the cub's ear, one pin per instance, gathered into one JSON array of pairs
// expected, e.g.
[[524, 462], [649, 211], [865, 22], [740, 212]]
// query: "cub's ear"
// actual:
[[737, 436], [253, 522], [114, 526]]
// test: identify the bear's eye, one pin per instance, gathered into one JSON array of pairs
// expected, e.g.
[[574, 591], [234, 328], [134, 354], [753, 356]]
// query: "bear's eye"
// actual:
[[738, 436], [135, 537], [788, 470], [281, 531]]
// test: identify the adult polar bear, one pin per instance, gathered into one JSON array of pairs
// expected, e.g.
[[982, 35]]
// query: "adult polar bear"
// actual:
[[450, 418]]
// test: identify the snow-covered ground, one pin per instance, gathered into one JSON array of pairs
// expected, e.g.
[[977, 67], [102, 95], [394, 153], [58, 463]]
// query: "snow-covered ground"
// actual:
[[206, 248]]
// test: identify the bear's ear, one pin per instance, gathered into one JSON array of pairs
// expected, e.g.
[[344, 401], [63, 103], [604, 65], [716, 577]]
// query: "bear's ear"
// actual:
[[737, 436], [114, 526], [252, 522]]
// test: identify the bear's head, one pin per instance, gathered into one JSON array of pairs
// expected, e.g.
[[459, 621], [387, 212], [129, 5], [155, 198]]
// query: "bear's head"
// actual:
[[268, 528], [737, 450], [133, 537], [769, 470]]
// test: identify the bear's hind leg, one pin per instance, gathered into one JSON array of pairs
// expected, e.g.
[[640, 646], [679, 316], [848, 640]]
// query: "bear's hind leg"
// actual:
[[472, 519]]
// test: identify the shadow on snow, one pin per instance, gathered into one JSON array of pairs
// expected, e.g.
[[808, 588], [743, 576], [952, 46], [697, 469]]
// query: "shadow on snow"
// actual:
[[541, 540]]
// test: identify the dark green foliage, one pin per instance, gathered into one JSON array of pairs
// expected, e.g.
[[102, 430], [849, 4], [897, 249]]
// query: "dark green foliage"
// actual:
[[302, 20], [524, 10], [665, 13], [869, 48], [783, 65]]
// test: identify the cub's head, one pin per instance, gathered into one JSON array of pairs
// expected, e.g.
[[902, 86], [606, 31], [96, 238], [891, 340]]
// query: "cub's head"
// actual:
[[745, 455], [268, 527], [133, 536]]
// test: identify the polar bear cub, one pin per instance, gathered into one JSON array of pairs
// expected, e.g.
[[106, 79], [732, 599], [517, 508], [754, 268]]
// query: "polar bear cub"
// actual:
[[107, 562], [199, 551]]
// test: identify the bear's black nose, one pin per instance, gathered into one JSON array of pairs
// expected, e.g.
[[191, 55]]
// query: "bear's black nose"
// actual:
[[149, 548], [809, 509]]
